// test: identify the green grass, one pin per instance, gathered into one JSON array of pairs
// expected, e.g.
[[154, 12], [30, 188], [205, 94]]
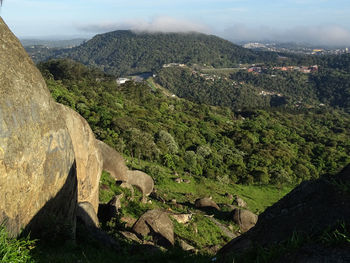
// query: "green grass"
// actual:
[[200, 233], [14, 250]]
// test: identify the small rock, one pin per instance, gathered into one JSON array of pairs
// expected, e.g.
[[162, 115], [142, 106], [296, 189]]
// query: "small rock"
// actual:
[[115, 203], [185, 246], [178, 180], [158, 224], [182, 218], [186, 181], [173, 201], [205, 203], [239, 202]]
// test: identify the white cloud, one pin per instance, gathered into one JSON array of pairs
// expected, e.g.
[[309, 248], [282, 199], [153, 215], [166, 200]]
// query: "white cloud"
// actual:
[[330, 35], [157, 24]]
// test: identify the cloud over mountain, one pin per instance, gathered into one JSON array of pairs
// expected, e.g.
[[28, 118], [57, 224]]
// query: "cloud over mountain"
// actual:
[[157, 24]]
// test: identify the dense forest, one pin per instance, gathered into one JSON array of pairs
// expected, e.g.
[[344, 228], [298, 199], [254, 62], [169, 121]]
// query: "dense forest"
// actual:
[[125, 52], [239, 89], [251, 146]]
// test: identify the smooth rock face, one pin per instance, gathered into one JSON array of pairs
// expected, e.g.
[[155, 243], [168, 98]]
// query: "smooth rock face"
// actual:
[[87, 156], [141, 180], [113, 162], [36, 153], [156, 222]]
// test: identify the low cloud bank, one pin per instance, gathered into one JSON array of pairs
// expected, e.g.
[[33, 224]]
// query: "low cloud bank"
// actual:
[[326, 35], [330, 35], [158, 24]]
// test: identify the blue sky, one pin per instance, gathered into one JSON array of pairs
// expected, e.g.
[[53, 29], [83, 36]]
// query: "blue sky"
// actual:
[[317, 21]]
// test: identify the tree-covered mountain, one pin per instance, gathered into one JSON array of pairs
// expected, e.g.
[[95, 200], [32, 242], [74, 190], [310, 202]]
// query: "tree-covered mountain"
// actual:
[[125, 52]]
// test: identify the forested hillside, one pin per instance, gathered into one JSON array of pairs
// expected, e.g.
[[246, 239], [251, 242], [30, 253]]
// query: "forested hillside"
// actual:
[[125, 52], [240, 89], [255, 146]]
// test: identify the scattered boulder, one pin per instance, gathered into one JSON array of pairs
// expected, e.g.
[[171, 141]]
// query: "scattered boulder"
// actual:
[[158, 224], [178, 180], [113, 162], [115, 203], [142, 181], [86, 213], [37, 164], [185, 246], [186, 181], [87, 157], [182, 218], [206, 203], [239, 202], [244, 219]]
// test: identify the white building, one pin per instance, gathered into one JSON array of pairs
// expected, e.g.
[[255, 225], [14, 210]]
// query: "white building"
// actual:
[[122, 80]]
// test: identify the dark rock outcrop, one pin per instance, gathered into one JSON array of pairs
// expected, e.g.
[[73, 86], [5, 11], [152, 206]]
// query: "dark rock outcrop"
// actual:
[[309, 209], [37, 167]]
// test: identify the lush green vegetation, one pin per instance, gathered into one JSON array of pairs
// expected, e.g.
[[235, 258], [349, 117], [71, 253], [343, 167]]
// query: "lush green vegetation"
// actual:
[[257, 154], [15, 250], [247, 147], [125, 52], [239, 89]]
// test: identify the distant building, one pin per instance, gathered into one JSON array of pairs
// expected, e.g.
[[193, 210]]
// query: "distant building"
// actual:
[[122, 80]]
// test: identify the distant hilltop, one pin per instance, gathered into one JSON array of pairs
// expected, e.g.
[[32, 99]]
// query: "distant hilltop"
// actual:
[[124, 52]]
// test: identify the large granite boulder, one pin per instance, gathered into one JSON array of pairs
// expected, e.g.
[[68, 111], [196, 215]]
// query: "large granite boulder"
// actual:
[[37, 168], [113, 162], [87, 156]]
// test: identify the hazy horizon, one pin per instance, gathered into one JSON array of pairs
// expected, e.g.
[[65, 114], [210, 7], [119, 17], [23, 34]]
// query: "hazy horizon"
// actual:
[[316, 22]]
